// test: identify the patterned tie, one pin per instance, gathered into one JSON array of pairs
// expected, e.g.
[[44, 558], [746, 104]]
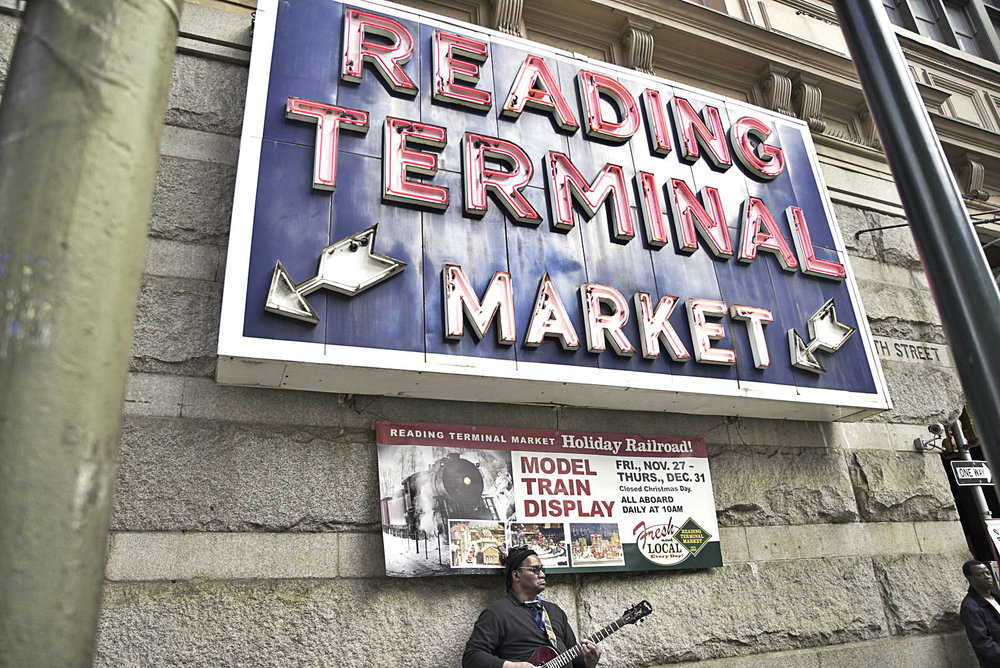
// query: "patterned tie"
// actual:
[[542, 619]]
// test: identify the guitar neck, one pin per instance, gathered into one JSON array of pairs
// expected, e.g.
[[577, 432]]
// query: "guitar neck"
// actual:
[[567, 657]]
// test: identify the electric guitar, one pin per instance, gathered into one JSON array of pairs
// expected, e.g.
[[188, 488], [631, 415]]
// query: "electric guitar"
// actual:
[[546, 657]]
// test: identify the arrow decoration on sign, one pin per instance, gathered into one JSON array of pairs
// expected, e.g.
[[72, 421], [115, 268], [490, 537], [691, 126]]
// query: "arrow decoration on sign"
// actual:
[[826, 333], [348, 266]]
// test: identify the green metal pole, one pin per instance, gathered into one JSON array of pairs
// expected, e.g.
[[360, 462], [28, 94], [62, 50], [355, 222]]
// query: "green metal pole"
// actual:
[[80, 122]]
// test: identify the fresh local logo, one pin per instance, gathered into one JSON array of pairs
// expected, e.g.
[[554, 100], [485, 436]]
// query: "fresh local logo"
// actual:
[[496, 171], [666, 544]]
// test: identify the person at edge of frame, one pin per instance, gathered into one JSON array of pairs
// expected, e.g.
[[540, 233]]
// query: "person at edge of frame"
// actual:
[[980, 614], [513, 627]]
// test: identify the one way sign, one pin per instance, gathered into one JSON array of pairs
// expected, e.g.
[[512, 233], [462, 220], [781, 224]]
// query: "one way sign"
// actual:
[[970, 473]]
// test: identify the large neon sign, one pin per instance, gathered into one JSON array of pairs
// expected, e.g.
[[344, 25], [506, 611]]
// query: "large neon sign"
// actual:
[[632, 242]]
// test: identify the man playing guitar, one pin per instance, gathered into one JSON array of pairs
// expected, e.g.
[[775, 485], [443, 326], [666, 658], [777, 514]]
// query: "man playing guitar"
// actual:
[[510, 630]]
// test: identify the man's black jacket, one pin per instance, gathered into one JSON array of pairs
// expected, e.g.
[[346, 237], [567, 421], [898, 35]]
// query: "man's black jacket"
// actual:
[[982, 625], [507, 630]]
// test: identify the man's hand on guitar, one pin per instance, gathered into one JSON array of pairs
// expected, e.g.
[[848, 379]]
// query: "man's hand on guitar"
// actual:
[[517, 664], [591, 653]]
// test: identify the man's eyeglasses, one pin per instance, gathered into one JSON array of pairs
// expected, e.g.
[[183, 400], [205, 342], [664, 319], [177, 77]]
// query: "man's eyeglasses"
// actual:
[[537, 570]]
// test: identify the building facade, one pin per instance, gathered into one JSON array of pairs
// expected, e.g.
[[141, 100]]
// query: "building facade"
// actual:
[[246, 526]]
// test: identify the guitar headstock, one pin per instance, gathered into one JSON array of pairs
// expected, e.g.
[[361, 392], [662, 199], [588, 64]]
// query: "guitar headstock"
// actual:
[[636, 612]]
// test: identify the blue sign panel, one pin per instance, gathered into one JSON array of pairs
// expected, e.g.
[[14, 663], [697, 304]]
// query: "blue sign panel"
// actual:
[[427, 208]]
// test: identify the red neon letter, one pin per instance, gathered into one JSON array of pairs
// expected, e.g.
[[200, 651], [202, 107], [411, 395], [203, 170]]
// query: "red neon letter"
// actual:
[[549, 318], [448, 70], [654, 326], [592, 85], [690, 215], [506, 186], [656, 118], [703, 333], [761, 232], [387, 58], [601, 326], [755, 318], [328, 119], [534, 86], [811, 265], [693, 132], [763, 161], [399, 160], [566, 184], [652, 210]]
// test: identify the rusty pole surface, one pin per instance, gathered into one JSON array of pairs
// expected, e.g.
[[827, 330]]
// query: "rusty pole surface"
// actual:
[[80, 121]]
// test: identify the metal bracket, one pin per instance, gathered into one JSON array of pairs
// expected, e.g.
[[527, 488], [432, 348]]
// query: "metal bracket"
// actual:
[[992, 212]]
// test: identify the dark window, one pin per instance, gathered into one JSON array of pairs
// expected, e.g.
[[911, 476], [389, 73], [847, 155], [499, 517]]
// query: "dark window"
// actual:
[[994, 15], [892, 9], [929, 20], [965, 29]]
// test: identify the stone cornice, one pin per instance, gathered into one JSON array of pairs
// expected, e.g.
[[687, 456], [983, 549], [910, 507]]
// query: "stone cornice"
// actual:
[[967, 136], [942, 57], [932, 96], [738, 39]]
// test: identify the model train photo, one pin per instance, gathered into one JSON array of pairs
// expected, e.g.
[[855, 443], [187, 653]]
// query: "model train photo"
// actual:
[[450, 488]]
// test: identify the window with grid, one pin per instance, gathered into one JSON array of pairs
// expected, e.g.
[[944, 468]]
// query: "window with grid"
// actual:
[[970, 25]]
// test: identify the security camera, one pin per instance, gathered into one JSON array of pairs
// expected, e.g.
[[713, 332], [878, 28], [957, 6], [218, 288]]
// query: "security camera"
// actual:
[[934, 443]]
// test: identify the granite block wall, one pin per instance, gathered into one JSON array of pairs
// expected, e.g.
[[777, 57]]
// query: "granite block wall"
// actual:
[[245, 528]]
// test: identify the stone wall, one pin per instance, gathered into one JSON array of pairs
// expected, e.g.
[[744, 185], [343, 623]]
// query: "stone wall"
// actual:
[[246, 533], [245, 528]]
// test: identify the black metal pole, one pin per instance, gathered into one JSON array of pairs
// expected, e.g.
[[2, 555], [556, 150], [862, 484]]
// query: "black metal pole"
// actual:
[[959, 276]]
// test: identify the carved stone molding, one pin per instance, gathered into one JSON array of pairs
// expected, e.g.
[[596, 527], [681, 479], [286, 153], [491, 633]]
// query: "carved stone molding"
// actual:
[[971, 175], [868, 134], [776, 87], [507, 16], [637, 41], [807, 102]]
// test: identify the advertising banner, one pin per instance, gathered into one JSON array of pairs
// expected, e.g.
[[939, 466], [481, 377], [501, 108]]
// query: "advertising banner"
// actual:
[[429, 208], [993, 529], [454, 498]]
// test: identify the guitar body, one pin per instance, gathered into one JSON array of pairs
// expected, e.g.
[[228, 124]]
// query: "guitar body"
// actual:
[[545, 655], [541, 655]]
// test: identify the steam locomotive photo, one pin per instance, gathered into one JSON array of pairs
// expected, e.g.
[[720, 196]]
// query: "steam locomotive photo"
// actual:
[[451, 488]]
